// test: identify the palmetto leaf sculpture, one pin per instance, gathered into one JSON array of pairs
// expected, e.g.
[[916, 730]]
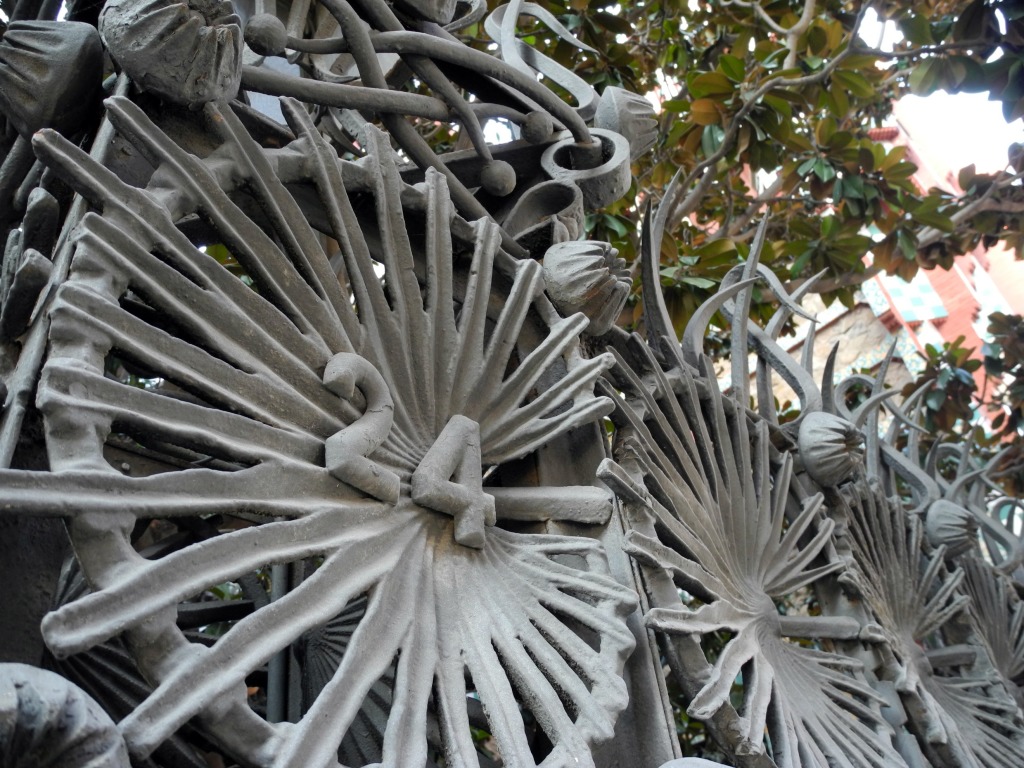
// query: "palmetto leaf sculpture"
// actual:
[[707, 497], [999, 616], [961, 713], [1002, 523], [346, 406]]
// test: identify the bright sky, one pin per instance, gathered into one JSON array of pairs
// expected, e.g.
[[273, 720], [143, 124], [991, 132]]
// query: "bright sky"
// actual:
[[965, 128]]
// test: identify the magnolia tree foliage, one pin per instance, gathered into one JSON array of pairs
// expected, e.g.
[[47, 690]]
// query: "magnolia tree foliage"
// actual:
[[766, 108]]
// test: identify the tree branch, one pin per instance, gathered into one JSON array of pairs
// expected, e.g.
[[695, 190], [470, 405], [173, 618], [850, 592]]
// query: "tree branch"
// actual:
[[756, 206], [939, 48], [984, 203], [760, 13], [848, 280], [792, 34], [701, 169], [932, 235]]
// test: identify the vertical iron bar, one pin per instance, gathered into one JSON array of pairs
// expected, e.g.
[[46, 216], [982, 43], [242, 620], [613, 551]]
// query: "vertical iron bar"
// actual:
[[277, 668]]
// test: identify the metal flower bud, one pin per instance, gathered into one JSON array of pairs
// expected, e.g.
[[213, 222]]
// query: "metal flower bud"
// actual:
[[952, 525], [631, 115], [589, 277], [50, 75], [831, 448], [187, 52]]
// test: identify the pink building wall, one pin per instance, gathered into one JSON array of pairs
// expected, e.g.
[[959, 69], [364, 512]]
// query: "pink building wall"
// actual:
[[980, 282]]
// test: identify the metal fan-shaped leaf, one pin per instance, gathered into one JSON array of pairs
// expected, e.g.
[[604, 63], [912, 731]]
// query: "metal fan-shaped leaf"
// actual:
[[708, 507], [344, 405], [999, 614], [961, 714]]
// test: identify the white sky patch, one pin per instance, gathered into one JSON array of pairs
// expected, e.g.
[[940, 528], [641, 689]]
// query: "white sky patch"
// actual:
[[499, 132], [878, 35], [964, 127]]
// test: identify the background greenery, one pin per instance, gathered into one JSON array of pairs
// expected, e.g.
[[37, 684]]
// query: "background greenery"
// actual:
[[786, 92]]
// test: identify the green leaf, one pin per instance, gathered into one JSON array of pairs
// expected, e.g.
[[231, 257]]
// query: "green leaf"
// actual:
[[954, 70], [775, 59], [758, 131], [840, 102], [801, 262], [716, 248], [795, 142], [858, 62], [615, 224], [828, 226], [817, 40], [711, 139], [220, 253], [970, 25], [854, 186], [992, 349], [1013, 110], [855, 83], [824, 131], [916, 29], [765, 48], [679, 129], [675, 105], [840, 140], [732, 66], [902, 170], [896, 154], [824, 170], [907, 243], [613, 23], [964, 376], [779, 104], [866, 159], [710, 84], [972, 79], [936, 220], [926, 77]]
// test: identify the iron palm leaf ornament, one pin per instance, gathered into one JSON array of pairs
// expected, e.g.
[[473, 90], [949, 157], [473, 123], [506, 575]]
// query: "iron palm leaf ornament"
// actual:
[[723, 538], [961, 713], [1001, 527], [345, 407], [998, 613], [707, 503]]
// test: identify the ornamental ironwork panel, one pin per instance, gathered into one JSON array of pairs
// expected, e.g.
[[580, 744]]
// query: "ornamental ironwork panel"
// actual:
[[356, 467]]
